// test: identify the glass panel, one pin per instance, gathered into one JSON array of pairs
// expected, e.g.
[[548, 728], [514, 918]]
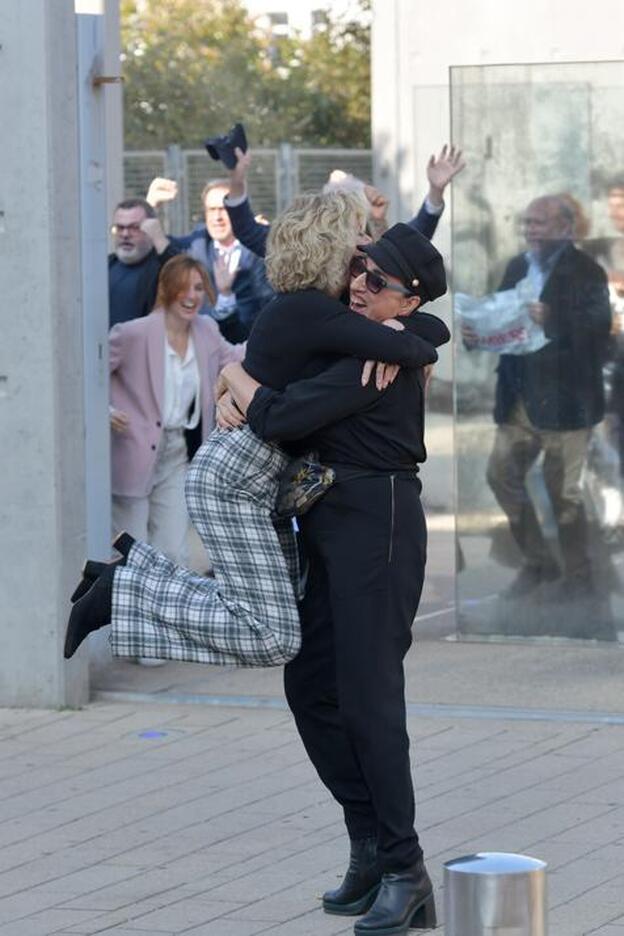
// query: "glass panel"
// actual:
[[538, 220]]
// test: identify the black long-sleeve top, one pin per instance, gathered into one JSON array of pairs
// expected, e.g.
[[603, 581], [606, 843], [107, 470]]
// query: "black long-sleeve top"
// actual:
[[348, 425], [298, 335]]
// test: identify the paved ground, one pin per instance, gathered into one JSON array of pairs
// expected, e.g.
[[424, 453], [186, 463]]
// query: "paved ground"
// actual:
[[181, 801], [145, 815]]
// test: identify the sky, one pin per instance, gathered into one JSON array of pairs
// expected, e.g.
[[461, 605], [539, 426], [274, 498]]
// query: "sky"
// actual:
[[299, 11]]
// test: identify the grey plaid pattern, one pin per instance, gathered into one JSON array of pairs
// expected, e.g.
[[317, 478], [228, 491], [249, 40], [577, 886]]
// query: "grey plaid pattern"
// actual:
[[247, 614]]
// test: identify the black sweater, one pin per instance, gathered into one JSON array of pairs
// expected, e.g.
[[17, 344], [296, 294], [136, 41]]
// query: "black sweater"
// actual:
[[349, 425], [298, 335]]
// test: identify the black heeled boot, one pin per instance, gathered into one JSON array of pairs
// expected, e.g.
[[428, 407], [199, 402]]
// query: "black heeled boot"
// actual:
[[90, 612], [91, 571], [361, 882], [405, 901], [123, 543]]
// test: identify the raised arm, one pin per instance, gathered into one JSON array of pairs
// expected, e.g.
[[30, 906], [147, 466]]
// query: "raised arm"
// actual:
[[426, 222], [440, 170], [251, 233]]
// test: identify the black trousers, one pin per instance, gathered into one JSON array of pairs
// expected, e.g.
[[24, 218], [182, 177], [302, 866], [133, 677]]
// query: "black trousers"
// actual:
[[366, 546]]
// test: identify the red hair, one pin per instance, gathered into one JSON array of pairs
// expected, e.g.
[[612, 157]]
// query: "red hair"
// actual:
[[174, 278]]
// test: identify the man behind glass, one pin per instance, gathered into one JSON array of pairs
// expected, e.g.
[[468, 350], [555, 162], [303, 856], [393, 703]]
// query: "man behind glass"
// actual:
[[547, 402]]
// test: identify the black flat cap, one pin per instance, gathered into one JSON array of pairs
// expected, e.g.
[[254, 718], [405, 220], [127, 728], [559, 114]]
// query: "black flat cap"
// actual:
[[405, 253], [222, 147]]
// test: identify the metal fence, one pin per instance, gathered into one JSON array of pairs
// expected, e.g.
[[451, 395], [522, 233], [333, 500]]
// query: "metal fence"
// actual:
[[276, 176]]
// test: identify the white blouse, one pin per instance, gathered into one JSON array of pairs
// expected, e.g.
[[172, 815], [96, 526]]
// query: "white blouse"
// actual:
[[181, 388]]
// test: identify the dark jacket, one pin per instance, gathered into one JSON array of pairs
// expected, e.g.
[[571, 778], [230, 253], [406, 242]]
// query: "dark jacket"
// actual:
[[250, 286], [254, 235], [561, 385], [346, 423], [145, 285], [299, 334]]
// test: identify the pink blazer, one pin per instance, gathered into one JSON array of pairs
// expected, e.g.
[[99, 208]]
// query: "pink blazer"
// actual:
[[137, 386]]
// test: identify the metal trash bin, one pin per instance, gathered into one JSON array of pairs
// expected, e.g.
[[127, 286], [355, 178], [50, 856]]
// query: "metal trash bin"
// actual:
[[495, 894]]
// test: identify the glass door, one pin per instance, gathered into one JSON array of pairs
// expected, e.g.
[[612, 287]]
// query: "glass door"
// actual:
[[538, 294]]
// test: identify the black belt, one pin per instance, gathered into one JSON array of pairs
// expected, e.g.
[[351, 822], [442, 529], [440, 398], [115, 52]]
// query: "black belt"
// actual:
[[354, 473]]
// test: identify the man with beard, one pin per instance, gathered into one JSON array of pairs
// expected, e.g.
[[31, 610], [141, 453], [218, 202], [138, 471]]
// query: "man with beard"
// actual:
[[548, 401], [140, 250]]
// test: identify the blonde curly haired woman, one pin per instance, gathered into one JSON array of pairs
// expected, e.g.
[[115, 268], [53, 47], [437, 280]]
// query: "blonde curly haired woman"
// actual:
[[247, 615]]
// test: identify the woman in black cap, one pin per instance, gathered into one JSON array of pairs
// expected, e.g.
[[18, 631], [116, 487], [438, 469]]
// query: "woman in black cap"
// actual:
[[365, 541]]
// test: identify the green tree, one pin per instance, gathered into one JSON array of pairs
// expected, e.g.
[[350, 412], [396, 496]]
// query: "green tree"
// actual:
[[325, 83], [193, 67]]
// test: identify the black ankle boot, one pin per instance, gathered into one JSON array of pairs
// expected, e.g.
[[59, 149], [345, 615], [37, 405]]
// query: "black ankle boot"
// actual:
[[361, 882], [91, 571], [90, 612], [405, 901], [123, 543]]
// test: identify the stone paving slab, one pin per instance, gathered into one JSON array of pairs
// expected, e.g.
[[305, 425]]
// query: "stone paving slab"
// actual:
[[136, 819], [574, 675]]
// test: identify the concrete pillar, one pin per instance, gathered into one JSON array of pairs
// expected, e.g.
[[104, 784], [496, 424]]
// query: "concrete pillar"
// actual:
[[42, 501], [113, 104], [95, 83]]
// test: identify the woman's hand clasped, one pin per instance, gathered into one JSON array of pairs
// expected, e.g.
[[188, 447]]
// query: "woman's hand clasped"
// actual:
[[385, 374]]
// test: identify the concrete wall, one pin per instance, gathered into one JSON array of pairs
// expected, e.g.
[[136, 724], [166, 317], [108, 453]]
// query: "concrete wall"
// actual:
[[113, 102], [414, 44], [42, 506]]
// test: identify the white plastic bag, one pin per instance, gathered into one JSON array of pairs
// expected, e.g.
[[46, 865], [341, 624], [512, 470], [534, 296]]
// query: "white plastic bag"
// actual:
[[500, 322]]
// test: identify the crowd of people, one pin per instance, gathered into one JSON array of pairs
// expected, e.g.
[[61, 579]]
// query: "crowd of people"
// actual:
[[163, 408]]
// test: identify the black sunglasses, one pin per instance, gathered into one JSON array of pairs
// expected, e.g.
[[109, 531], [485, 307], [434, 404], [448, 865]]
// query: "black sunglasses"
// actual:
[[374, 282]]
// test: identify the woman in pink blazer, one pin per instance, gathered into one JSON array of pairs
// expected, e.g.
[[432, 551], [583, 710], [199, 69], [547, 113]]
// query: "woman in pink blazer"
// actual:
[[164, 369]]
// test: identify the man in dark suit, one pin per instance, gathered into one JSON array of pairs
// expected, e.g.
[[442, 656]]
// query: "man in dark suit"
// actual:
[[549, 400], [236, 273]]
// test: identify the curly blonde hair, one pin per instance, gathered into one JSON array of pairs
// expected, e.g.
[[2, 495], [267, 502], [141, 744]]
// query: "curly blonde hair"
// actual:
[[311, 243]]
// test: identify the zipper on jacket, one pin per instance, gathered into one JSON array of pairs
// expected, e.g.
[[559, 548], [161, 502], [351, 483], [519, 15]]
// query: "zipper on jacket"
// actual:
[[391, 519]]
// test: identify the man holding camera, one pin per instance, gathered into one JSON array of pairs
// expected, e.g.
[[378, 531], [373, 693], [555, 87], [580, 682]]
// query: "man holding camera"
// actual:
[[237, 274]]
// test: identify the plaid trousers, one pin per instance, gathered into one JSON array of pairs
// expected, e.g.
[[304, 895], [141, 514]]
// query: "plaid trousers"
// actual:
[[247, 615]]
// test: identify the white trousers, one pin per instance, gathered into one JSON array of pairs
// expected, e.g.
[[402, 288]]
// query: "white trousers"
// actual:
[[160, 518]]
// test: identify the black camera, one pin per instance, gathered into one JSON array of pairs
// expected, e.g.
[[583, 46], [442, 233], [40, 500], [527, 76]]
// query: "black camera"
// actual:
[[222, 147]]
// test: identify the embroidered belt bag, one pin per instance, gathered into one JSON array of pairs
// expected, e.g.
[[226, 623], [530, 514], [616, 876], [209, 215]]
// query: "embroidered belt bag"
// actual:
[[301, 485]]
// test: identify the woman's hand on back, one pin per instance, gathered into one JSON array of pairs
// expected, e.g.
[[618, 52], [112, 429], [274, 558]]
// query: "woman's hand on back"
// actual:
[[228, 416]]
